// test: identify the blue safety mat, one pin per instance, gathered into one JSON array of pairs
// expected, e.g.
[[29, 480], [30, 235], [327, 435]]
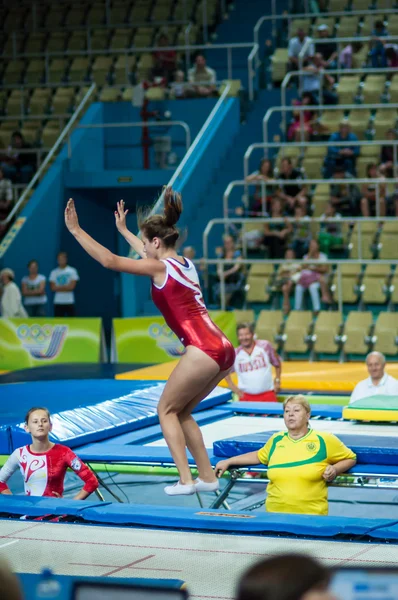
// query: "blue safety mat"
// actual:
[[389, 532], [276, 408], [167, 517], [369, 450], [29, 582], [85, 411], [135, 454]]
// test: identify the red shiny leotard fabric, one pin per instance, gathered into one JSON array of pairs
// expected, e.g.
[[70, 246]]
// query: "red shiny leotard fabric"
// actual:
[[181, 303]]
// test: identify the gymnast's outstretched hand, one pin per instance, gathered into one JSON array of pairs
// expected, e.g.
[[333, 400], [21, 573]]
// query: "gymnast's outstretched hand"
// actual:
[[120, 217], [71, 220]]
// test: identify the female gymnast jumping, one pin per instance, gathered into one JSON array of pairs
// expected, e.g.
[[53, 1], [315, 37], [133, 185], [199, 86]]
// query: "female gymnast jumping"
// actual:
[[176, 293]]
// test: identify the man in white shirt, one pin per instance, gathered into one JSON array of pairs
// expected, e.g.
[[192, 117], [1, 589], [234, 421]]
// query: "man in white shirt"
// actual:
[[63, 282], [203, 77], [295, 46], [254, 360], [379, 383], [11, 299]]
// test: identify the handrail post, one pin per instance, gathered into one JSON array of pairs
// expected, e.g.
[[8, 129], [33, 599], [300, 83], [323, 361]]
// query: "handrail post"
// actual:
[[339, 289], [377, 198], [222, 286], [205, 31], [359, 240], [229, 62]]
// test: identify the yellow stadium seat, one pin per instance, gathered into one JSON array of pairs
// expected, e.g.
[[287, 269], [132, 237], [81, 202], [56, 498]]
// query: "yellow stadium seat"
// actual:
[[13, 72], [269, 325], [312, 167], [140, 12], [16, 103], [244, 316], [57, 70], [372, 89], [297, 328], [123, 68], [262, 269], [257, 289], [359, 120], [120, 40], [34, 43], [357, 329], [347, 88], [327, 327], [143, 37], [96, 15], [386, 333], [118, 13], [62, 101], [337, 5], [350, 278], [296, 24], [109, 94], [101, 69], [75, 16], [39, 101], [347, 27], [388, 246], [78, 69], [374, 282], [279, 64], [77, 41]]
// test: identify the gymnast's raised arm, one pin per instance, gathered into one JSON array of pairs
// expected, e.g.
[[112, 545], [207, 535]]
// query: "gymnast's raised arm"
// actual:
[[133, 240], [150, 267]]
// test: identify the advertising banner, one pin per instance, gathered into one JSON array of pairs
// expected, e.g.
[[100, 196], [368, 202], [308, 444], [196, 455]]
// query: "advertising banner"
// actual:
[[149, 340], [34, 342]]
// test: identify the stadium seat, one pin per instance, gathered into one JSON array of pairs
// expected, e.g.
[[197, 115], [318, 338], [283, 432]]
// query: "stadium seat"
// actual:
[[99, 39], [161, 11], [120, 39], [328, 326], [34, 43], [262, 270], [388, 245], [325, 20], [347, 88], [386, 333], [51, 133], [16, 103], [183, 10], [96, 15], [312, 167], [79, 69], [292, 152], [75, 16], [347, 27], [393, 24], [385, 119], [374, 284], [39, 101], [54, 17], [330, 120], [393, 288], [357, 329], [371, 152], [279, 64], [101, 68], [373, 88], [350, 279], [62, 101], [127, 94], [367, 25], [123, 68], [30, 135], [144, 66], [296, 24], [297, 328], [143, 37], [109, 94], [257, 289], [358, 120], [57, 70], [77, 41], [364, 240], [118, 13], [269, 325], [361, 4], [393, 89], [13, 72], [244, 316], [139, 12]]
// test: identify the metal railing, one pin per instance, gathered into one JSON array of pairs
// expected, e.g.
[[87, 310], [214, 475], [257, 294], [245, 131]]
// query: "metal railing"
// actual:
[[50, 155], [314, 108], [303, 182], [308, 15], [139, 124], [187, 49], [321, 75]]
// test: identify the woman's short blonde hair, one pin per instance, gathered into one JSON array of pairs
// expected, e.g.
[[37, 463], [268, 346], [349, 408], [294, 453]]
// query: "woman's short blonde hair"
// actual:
[[299, 399]]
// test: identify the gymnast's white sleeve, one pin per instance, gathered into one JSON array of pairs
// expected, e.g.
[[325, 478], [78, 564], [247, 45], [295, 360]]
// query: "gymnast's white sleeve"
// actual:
[[9, 468]]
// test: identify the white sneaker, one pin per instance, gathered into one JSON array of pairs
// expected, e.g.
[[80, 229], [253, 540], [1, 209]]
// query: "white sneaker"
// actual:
[[180, 489], [203, 486]]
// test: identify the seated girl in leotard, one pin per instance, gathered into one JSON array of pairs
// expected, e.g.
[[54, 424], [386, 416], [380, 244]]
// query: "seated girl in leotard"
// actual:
[[43, 464]]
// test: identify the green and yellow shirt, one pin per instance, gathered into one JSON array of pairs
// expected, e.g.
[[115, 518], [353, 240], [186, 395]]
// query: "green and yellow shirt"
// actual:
[[295, 469]]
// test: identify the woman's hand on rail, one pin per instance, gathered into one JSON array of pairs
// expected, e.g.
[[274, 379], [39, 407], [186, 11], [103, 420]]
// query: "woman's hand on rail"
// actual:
[[221, 467]]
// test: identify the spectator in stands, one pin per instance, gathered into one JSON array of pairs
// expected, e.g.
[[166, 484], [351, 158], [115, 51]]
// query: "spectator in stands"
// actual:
[[19, 166], [276, 234], [294, 132], [312, 278], [11, 299], [33, 288], [298, 469], [292, 194], [63, 281], [296, 44], [342, 156], [253, 364], [347, 55], [301, 232], [285, 577], [369, 193], [328, 50], [330, 234], [231, 272], [392, 55], [203, 77], [316, 80], [387, 155], [165, 60], [345, 197], [179, 88], [5, 200], [288, 276], [189, 252], [265, 174], [379, 383], [9, 583], [378, 52]]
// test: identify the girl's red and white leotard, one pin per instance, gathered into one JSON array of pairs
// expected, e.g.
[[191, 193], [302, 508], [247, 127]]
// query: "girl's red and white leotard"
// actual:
[[44, 473], [181, 303]]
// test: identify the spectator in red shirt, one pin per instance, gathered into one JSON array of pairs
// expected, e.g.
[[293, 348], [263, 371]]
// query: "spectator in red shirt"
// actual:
[[165, 60]]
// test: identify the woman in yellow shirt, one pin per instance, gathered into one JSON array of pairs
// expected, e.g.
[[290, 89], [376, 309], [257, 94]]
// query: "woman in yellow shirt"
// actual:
[[300, 462]]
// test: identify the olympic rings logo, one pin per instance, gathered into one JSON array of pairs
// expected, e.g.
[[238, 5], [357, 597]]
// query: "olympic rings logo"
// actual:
[[166, 339], [42, 342]]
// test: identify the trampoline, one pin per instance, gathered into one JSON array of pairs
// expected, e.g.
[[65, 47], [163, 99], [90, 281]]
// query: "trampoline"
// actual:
[[112, 424]]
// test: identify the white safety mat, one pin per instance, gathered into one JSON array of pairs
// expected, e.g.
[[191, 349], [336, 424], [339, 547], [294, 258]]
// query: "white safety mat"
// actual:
[[209, 563], [236, 426]]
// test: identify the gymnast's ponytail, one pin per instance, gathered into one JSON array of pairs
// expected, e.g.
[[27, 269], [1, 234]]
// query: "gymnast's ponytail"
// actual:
[[164, 226]]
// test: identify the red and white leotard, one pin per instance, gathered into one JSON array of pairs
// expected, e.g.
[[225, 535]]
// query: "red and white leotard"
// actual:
[[181, 303], [44, 473]]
